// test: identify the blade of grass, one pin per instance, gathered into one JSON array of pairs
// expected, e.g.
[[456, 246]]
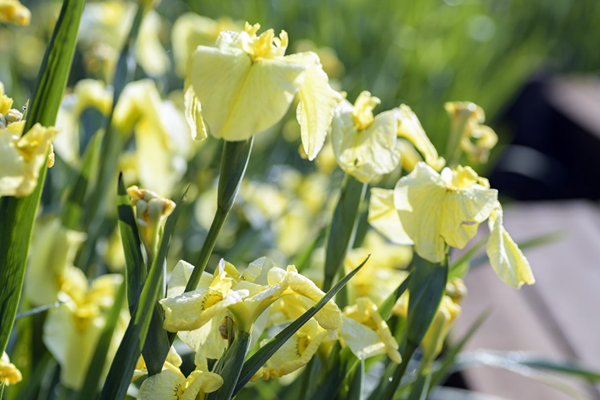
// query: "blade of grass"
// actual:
[[254, 363], [341, 231], [385, 309], [18, 214], [121, 370]]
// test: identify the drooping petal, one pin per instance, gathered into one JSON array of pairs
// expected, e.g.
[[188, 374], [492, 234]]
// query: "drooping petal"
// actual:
[[240, 97], [193, 112], [363, 342], [505, 256], [366, 153], [207, 339], [410, 128], [149, 52], [383, 216], [317, 103]]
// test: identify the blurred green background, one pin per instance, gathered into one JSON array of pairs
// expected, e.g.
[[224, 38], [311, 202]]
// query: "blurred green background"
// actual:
[[422, 53]]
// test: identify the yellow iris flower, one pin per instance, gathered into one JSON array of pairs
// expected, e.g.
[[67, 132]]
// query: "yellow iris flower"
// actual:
[[9, 374], [366, 333], [14, 12], [246, 84], [245, 299], [50, 263], [476, 139], [171, 384], [295, 353], [72, 331], [173, 360], [21, 156], [440, 210], [366, 146]]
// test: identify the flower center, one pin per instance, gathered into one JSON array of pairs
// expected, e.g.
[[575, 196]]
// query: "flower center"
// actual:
[[264, 46], [303, 343], [363, 110], [210, 299]]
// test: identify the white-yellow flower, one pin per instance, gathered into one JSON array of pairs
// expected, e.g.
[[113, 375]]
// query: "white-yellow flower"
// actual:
[[366, 333], [476, 139], [9, 374], [366, 146], [171, 384], [246, 84], [440, 210], [72, 330], [14, 12]]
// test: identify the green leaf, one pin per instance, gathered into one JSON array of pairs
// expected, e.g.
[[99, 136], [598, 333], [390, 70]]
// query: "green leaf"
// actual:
[[261, 356], [94, 373], [426, 287], [420, 388], [121, 370], [341, 232], [302, 260], [356, 386], [74, 207], [342, 364], [513, 361], [461, 266], [30, 391], [135, 271], [385, 309], [18, 214]]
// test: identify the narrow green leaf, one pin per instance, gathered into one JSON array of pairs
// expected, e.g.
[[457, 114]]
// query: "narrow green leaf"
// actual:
[[510, 363], [94, 373], [261, 356], [342, 230], [121, 370], [18, 214], [135, 272], [427, 287], [31, 390], [73, 210], [448, 359], [385, 309], [460, 267], [342, 364]]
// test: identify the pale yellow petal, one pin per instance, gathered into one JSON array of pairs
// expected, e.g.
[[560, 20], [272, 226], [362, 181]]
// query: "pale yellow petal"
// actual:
[[14, 12], [410, 128], [317, 103], [505, 256], [419, 198], [366, 153], [239, 97], [193, 111], [464, 210], [384, 217], [190, 310], [363, 342], [207, 340], [201, 382], [149, 52], [9, 373], [162, 386], [180, 277]]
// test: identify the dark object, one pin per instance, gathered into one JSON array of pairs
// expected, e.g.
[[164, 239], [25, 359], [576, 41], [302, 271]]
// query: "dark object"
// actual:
[[556, 128]]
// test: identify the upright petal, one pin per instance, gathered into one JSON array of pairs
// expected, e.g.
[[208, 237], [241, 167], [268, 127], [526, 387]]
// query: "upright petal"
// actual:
[[317, 103], [384, 217], [505, 256], [240, 97], [419, 198], [162, 386], [410, 128]]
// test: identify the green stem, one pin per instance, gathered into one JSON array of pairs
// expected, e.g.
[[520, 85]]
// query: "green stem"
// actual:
[[341, 232], [407, 354], [230, 366]]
